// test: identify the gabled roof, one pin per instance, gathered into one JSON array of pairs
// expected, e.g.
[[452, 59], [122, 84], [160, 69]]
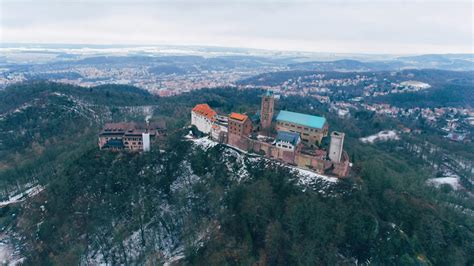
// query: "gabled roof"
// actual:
[[302, 119], [205, 110], [239, 117], [290, 137]]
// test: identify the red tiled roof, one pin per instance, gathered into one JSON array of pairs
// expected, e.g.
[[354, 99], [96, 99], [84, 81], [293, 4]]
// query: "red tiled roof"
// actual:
[[205, 110], [237, 116]]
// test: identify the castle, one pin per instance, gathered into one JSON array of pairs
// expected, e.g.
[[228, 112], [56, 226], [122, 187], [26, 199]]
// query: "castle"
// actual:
[[296, 142], [129, 136]]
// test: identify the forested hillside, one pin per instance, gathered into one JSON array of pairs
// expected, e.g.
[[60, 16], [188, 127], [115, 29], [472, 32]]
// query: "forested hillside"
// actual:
[[195, 202], [43, 122]]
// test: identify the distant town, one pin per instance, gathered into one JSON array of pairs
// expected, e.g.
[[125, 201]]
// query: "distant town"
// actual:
[[344, 86]]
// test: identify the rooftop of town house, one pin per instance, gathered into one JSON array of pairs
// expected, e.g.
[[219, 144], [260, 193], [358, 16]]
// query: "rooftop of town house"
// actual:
[[289, 137], [302, 119], [239, 117], [205, 110]]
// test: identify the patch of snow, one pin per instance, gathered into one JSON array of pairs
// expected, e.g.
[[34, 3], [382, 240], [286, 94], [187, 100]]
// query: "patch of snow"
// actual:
[[453, 181], [416, 84], [236, 158], [264, 138], [9, 254], [205, 143], [186, 178], [22, 196], [307, 177], [173, 259], [229, 155], [5, 253], [58, 94], [189, 135], [384, 135]]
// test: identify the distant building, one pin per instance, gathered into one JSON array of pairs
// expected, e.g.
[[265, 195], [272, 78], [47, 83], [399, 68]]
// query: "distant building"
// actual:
[[266, 111], [312, 128], [239, 124], [126, 136], [335, 147], [287, 140], [202, 116]]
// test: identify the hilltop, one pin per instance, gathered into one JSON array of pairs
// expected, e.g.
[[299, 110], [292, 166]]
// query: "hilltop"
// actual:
[[193, 201]]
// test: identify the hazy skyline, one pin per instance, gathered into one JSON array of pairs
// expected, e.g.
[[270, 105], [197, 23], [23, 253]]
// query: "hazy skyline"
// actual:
[[316, 26]]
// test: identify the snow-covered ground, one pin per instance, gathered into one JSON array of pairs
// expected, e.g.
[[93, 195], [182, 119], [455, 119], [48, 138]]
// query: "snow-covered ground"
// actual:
[[384, 135], [5, 253], [9, 255], [305, 177], [22, 195], [205, 143], [453, 181]]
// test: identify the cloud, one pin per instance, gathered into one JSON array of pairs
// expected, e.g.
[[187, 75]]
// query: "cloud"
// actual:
[[336, 26]]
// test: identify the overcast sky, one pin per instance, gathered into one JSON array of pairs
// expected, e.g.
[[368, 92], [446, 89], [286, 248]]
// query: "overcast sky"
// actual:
[[382, 26]]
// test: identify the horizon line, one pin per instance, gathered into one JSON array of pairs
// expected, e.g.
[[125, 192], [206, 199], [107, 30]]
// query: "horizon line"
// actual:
[[3, 44]]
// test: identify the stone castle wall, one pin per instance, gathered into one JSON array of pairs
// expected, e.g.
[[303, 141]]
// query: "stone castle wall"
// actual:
[[290, 157]]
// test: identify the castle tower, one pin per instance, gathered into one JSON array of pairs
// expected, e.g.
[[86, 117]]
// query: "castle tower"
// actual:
[[146, 141], [266, 111], [335, 147]]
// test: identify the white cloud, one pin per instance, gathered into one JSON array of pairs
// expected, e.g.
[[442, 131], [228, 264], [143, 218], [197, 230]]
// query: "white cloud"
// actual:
[[354, 26]]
